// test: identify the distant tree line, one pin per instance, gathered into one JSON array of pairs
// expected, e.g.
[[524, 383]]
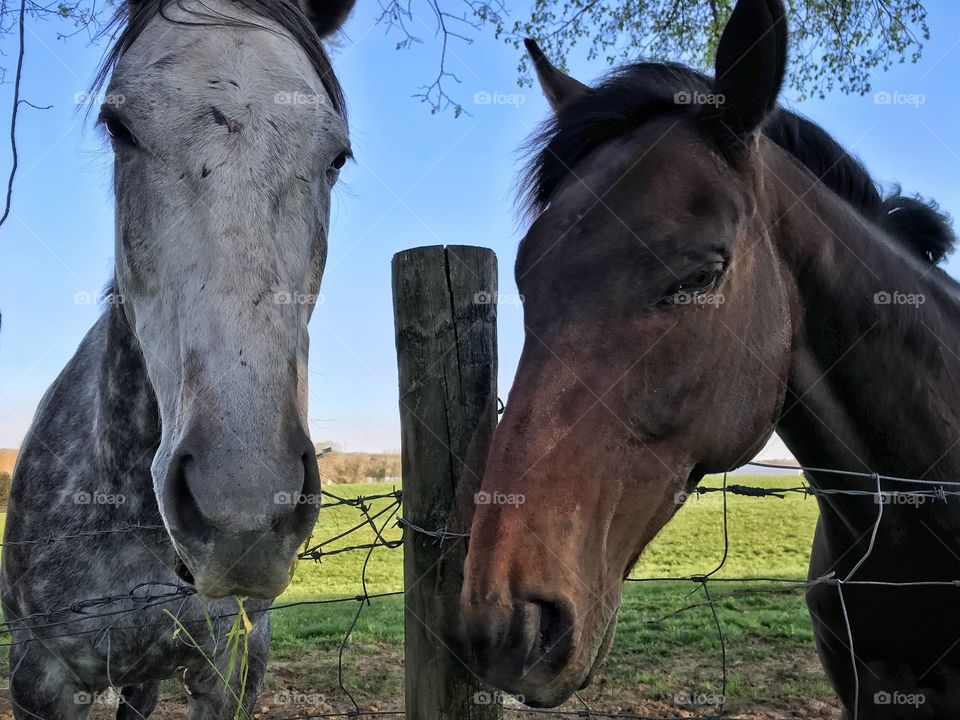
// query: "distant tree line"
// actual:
[[4, 488], [343, 468]]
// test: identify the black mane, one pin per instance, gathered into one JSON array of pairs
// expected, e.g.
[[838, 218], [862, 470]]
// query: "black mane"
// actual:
[[636, 94], [133, 18]]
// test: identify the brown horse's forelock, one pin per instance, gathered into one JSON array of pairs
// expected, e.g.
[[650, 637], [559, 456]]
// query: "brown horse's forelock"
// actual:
[[132, 19], [634, 95]]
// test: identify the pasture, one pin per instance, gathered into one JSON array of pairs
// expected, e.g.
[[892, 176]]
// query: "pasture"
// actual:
[[659, 666]]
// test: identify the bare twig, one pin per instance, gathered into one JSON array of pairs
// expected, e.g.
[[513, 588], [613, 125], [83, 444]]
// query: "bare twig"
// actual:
[[13, 114]]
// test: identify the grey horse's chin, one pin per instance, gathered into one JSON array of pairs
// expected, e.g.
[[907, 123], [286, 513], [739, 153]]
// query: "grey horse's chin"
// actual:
[[217, 574]]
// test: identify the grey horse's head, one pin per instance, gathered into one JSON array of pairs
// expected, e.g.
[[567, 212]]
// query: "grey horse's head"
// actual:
[[229, 133]]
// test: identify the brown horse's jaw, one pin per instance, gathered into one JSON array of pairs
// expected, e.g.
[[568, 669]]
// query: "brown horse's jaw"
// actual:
[[605, 644]]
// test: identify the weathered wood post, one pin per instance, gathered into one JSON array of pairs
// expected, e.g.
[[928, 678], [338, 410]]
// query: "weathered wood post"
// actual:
[[445, 315]]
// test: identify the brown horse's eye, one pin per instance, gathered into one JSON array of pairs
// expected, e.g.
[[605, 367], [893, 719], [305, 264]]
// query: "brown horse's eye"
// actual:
[[700, 282], [701, 279]]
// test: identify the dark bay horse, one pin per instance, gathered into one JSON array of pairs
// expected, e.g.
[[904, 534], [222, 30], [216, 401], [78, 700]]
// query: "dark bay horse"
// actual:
[[705, 269], [175, 441]]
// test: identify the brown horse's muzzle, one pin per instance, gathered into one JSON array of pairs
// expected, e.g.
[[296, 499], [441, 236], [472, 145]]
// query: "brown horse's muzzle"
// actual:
[[533, 614], [521, 644], [564, 510], [535, 643]]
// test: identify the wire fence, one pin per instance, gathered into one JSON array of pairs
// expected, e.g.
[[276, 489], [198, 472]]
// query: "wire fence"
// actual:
[[379, 520]]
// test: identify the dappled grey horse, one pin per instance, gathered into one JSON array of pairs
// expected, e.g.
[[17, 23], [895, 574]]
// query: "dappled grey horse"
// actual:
[[172, 452]]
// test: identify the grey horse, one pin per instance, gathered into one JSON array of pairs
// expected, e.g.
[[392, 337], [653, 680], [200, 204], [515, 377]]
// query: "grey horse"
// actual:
[[169, 466]]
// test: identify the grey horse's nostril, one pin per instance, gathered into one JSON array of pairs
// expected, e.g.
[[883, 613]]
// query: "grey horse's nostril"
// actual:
[[182, 509], [311, 473], [304, 514], [182, 571]]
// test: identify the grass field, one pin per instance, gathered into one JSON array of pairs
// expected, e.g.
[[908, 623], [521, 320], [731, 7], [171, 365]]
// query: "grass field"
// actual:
[[668, 668], [770, 653]]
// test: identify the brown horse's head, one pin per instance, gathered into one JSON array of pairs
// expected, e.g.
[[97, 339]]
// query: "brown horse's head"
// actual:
[[657, 327]]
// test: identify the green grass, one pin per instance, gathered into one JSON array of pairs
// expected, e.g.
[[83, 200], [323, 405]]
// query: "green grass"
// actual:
[[770, 654], [768, 637]]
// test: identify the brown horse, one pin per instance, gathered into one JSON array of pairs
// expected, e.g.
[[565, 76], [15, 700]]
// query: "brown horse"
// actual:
[[705, 269]]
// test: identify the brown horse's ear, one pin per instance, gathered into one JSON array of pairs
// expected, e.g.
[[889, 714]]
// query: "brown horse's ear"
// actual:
[[327, 16], [559, 87], [750, 65]]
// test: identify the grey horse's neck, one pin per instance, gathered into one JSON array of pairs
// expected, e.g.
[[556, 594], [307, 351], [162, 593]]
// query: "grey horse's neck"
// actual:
[[126, 421]]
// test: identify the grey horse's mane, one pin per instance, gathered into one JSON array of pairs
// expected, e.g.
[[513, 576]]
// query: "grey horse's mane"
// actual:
[[132, 19]]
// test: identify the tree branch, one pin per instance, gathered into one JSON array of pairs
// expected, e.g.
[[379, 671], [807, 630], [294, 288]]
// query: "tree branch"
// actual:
[[13, 114]]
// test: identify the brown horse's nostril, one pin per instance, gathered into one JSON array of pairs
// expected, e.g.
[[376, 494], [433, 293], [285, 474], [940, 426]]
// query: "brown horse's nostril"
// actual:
[[532, 637], [554, 641], [484, 628]]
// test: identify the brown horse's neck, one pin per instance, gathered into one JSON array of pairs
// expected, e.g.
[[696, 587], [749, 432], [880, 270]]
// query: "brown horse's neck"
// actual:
[[876, 349]]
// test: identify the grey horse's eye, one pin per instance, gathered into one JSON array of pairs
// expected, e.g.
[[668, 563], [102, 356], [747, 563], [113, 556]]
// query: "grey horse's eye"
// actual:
[[340, 160], [118, 131]]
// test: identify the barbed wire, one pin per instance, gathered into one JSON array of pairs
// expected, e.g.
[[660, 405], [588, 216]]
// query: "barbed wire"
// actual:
[[936, 491], [144, 596], [140, 598], [361, 503], [46, 539]]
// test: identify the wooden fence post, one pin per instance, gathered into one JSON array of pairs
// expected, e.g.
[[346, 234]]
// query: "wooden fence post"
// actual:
[[445, 315]]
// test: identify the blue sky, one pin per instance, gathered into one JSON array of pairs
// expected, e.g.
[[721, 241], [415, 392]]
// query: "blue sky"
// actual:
[[419, 179]]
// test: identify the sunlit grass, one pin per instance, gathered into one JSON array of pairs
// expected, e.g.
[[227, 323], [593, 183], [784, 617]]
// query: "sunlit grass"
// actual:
[[767, 635], [768, 537]]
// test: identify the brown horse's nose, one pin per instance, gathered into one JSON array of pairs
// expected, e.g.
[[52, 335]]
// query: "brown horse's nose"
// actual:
[[516, 643]]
